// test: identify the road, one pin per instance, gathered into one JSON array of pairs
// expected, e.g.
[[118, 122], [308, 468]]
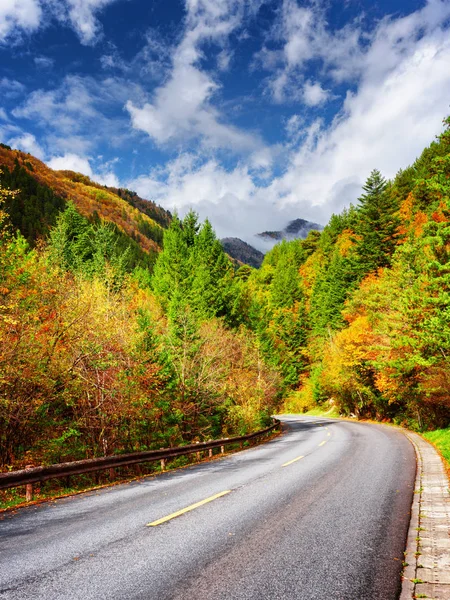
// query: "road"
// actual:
[[328, 526]]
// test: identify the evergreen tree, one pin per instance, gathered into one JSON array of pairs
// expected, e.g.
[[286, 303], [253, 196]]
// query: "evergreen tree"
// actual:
[[376, 224], [193, 269], [172, 273]]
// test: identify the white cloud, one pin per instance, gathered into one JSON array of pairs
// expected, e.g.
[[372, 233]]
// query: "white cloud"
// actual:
[[224, 59], [18, 16], [3, 115], [231, 199], [82, 14], [75, 115], [68, 107], [343, 55], [43, 62], [81, 164], [27, 16], [71, 162], [27, 143], [11, 88], [314, 94], [182, 108], [305, 36], [395, 111]]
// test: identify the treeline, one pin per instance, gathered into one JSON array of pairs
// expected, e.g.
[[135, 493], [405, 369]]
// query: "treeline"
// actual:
[[372, 295]]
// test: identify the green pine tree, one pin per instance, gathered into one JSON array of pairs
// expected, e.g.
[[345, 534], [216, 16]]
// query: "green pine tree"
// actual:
[[376, 225]]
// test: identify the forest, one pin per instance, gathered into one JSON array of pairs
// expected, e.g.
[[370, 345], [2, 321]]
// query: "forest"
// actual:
[[125, 328]]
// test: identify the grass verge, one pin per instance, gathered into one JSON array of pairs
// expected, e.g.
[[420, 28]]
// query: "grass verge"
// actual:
[[441, 439]]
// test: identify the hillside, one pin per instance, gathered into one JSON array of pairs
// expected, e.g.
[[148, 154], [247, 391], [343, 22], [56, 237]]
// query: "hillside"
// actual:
[[45, 192], [242, 252]]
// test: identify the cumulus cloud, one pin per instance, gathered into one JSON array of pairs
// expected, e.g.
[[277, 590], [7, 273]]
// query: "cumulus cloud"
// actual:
[[82, 15], [11, 88], [182, 108], [17, 16], [305, 36], [74, 115], [69, 107], [81, 164], [229, 198], [343, 54], [395, 111], [314, 94], [27, 143]]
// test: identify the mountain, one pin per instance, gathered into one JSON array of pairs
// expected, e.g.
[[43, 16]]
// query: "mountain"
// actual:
[[298, 228], [242, 252], [44, 193]]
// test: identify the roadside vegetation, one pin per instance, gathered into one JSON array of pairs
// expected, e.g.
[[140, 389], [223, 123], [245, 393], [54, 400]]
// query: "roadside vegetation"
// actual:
[[121, 331]]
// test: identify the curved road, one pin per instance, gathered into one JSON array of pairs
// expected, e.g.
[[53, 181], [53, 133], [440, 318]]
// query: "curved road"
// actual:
[[329, 526]]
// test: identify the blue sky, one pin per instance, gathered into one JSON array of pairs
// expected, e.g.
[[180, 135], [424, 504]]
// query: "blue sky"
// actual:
[[252, 112]]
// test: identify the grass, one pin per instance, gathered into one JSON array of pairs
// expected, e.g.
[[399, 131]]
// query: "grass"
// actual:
[[322, 412], [441, 439]]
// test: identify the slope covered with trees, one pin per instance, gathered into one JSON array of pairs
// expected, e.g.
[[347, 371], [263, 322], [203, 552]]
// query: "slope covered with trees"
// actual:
[[97, 358], [376, 292], [43, 193]]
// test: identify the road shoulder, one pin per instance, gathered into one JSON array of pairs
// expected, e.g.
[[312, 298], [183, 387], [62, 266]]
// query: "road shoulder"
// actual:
[[427, 557]]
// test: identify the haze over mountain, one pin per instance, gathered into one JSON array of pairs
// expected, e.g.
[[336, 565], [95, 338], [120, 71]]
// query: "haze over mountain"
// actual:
[[294, 230], [242, 252]]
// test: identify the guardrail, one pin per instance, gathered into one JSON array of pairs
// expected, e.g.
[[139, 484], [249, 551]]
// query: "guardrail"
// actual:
[[32, 475]]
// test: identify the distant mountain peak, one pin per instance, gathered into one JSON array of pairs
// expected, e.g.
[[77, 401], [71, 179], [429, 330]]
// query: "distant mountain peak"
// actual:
[[242, 252], [298, 228]]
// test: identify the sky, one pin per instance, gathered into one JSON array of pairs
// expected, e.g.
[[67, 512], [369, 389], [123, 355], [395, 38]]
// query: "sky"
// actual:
[[251, 112]]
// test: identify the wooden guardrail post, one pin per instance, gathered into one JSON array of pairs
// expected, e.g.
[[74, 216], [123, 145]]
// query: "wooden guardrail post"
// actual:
[[163, 464]]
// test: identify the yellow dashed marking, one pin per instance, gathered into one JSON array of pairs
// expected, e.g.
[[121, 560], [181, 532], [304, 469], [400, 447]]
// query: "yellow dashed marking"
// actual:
[[187, 509], [292, 461], [322, 443]]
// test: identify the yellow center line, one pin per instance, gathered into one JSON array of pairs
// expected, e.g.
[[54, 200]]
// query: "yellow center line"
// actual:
[[292, 461], [187, 509], [322, 443], [328, 433]]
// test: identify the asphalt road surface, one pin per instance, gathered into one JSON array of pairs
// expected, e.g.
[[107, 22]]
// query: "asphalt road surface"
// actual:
[[330, 525]]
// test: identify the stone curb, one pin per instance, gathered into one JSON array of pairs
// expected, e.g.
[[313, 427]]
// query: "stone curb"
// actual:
[[427, 558]]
